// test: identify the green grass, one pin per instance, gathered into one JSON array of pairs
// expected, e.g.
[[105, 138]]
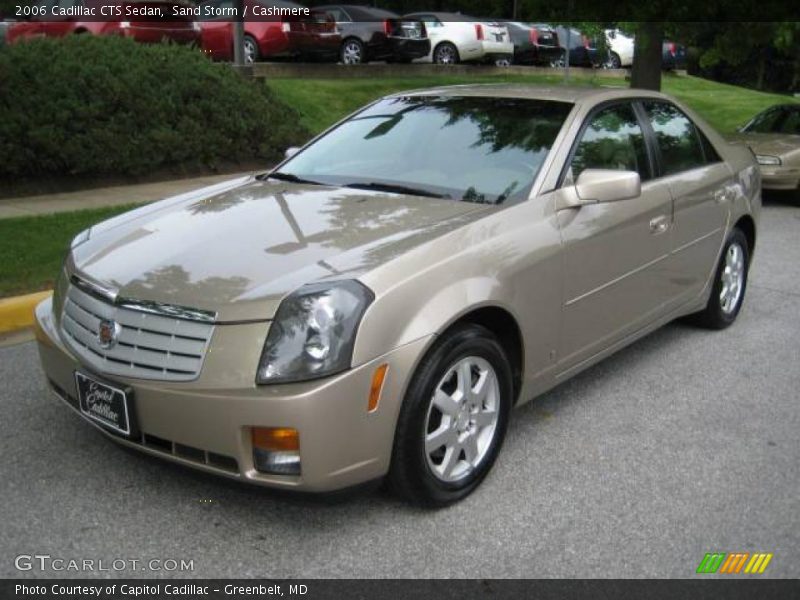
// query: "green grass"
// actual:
[[32, 248], [322, 102]]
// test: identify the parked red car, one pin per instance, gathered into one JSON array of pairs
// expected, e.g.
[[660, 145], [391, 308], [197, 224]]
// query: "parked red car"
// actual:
[[314, 35], [148, 21]]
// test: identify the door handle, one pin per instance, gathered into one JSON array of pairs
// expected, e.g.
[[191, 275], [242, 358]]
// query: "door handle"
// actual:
[[659, 224]]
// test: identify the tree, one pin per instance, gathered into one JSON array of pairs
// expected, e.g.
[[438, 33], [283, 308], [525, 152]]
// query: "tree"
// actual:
[[647, 56]]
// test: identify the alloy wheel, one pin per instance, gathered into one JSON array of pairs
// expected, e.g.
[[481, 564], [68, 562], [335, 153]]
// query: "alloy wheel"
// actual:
[[446, 55], [732, 278], [352, 53], [462, 419], [249, 52]]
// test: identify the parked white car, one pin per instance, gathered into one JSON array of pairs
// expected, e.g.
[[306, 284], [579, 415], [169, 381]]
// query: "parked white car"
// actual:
[[620, 49], [458, 38]]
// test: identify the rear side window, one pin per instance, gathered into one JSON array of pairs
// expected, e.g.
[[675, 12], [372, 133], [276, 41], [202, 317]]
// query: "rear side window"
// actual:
[[612, 140], [678, 140]]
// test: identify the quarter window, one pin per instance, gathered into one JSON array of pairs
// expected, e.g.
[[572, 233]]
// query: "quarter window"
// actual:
[[612, 140], [678, 140]]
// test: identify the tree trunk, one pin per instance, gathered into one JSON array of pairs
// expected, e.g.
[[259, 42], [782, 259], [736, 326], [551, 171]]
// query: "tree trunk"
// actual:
[[646, 72], [762, 68]]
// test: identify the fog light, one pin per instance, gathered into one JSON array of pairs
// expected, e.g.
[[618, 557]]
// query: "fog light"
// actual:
[[276, 450]]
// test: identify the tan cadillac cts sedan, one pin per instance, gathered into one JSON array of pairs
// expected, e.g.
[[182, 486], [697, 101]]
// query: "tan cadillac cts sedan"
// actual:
[[376, 305]]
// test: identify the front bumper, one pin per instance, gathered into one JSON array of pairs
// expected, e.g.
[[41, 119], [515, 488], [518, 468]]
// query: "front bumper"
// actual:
[[779, 177], [206, 423]]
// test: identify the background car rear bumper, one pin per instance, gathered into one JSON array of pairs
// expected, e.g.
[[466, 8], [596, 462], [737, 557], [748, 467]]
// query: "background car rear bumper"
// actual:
[[341, 443], [409, 48]]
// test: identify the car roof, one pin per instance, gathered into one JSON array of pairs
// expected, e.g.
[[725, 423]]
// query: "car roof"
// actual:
[[557, 93], [444, 16], [360, 8]]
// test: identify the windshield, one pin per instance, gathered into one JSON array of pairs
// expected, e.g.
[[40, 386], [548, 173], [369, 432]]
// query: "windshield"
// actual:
[[474, 149], [779, 119]]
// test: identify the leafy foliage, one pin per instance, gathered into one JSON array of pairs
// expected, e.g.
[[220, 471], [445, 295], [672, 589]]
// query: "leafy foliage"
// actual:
[[100, 106]]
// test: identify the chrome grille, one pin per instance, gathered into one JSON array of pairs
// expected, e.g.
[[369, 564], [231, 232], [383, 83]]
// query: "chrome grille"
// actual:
[[149, 346]]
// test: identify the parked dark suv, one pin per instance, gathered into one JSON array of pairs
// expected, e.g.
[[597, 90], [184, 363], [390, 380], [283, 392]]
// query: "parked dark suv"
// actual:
[[376, 34], [534, 43], [582, 52]]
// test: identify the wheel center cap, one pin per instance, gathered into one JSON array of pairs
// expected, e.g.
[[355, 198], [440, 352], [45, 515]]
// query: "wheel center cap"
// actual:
[[462, 421]]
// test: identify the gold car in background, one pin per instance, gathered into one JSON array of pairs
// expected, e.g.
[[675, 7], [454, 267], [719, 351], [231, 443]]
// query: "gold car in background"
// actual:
[[377, 304], [774, 137]]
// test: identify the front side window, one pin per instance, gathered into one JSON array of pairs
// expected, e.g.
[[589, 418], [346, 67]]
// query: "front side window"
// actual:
[[475, 149], [613, 139], [678, 141]]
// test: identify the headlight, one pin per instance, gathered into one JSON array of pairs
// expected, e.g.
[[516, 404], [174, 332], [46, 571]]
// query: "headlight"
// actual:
[[765, 159], [313, 332], [80, 238]]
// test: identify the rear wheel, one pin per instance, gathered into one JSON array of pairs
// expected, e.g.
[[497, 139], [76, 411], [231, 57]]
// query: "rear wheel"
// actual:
[[730, 282], [453, 419], [251, 53], [614, 61], [445, 54]]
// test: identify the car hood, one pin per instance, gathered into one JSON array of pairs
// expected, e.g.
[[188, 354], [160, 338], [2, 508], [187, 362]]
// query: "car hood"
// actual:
[[239, 251], [773, 144]]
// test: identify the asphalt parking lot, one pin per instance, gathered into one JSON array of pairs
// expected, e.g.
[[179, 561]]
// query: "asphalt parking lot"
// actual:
[[685, 443]]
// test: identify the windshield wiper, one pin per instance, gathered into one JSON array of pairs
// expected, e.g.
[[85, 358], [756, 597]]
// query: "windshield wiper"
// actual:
[[291, 177], [395, 188]]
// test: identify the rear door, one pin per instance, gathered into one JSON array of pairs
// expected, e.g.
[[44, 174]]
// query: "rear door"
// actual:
[[614, 253], [701, 185]]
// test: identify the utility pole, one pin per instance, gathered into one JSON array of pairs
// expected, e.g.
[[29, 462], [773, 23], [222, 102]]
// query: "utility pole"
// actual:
[[238, 34]]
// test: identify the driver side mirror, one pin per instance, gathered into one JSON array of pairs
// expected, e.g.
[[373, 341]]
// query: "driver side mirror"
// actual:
[[595, 186], [291, 151], [607, 185]]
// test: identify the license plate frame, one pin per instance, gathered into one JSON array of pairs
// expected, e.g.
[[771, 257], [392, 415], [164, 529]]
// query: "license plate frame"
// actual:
[[105, 404]]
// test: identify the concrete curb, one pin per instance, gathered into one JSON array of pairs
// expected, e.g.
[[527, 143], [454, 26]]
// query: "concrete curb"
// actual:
[[17, 312]]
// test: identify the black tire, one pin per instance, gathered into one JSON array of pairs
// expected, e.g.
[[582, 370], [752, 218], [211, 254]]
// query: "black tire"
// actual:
[[614, 61], [410, 475], [251, 41], [352, 52], [446, 54], [714, 316]]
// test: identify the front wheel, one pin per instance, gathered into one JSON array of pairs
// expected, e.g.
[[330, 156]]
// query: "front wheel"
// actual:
[[352, 52], [730, 282], [453, 419]]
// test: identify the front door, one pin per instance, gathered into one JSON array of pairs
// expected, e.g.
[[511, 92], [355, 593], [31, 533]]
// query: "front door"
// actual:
[[615, 254]]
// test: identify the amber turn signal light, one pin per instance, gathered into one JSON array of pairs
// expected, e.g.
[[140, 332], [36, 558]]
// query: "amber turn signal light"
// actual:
[[376, 387], [279, 439]]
